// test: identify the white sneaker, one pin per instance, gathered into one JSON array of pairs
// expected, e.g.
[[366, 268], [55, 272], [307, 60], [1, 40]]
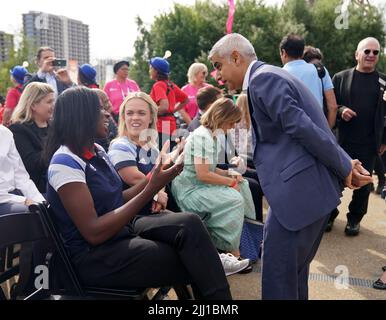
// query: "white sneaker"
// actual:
[[231, 264]]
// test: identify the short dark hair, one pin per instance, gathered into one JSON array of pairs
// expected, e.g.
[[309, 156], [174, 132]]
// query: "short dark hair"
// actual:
[[206, 96], [310, 53], [42, 49], [75, 120], [120, 64], [293, 45], [162, 76]]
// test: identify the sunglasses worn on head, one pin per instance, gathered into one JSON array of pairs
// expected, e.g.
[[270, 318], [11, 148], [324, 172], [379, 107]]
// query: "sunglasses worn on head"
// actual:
[[367, 52]]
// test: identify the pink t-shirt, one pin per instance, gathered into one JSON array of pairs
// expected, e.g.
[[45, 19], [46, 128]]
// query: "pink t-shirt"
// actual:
[[192, 108], [117, 92]]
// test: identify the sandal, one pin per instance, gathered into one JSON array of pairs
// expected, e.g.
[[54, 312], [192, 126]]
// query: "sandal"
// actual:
[[379, 284]]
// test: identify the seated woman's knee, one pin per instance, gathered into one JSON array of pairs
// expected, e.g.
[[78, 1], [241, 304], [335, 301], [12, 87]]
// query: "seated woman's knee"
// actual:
[[192, 220]]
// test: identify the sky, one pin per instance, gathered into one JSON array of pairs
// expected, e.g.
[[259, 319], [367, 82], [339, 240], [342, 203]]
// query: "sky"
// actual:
[[111, 23], [112, 27]]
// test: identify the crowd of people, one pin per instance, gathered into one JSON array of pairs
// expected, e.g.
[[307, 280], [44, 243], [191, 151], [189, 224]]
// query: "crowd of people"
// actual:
[[142, 200]]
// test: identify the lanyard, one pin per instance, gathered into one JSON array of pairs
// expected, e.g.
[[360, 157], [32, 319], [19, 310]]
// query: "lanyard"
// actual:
[[122, 92]]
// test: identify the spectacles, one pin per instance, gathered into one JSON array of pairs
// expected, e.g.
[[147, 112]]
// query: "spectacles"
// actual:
[[367, 52]]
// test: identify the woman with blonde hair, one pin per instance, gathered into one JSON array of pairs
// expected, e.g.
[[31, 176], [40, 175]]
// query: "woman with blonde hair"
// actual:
[[135, 151], [30, 124], [196, 77], [220, 199]]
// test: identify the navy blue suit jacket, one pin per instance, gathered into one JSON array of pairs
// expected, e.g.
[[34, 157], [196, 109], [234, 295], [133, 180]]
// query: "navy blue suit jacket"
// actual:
[[300, 165], [34, 78]]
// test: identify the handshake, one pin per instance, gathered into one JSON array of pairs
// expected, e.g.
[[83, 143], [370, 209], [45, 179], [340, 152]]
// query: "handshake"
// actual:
[[358, 176]]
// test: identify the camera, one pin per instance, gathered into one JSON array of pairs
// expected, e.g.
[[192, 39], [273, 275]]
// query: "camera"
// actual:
[[59, 63]]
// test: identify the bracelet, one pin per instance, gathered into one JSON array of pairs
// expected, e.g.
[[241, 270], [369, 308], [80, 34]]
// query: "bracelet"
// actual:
[[149, 175], [234, 184]]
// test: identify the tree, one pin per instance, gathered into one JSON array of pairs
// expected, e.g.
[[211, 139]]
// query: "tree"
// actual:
[[190, 31], [339, 45], [17, 57]]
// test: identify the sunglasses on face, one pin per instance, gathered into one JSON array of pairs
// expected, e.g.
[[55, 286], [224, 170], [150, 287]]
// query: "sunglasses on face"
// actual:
[[367, 52]]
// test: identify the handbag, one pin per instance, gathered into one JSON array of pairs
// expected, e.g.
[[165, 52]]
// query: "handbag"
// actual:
[[251, 239]]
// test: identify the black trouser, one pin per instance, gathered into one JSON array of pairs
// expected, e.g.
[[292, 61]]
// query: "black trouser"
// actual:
[[360, 199], [164, 249], [13, 207], [380, 168], [257, 193]]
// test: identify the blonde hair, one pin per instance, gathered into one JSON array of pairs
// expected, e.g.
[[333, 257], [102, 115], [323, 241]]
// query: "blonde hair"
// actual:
[[122, 130], [194, 69], [242, 103], [32, 93], [222, 111]]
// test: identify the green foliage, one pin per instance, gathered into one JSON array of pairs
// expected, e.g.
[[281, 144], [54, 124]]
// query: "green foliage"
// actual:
[[339, 45], [16, 57], [189, 32]]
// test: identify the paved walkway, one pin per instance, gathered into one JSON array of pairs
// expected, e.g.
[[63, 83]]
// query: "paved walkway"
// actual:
[[360, 258]]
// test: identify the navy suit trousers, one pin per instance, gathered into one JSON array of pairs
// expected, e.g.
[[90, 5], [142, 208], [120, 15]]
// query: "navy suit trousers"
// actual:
[[286, 259]]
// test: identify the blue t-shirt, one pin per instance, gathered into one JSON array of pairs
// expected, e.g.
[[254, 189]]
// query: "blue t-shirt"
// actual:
[[307, 73], [102, 180], [125, 153]]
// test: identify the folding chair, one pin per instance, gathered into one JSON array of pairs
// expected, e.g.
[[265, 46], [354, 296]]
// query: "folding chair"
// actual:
[[75, 287], [19, 228]]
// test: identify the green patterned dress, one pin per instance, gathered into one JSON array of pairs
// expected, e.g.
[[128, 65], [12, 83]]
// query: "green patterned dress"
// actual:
[[222, 208]]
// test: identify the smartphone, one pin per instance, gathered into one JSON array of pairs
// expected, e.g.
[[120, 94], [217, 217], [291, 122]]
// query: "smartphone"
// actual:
[[59, 63]]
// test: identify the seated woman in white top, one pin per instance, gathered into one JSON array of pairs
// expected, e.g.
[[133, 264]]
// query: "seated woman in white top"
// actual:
[[17, 191]]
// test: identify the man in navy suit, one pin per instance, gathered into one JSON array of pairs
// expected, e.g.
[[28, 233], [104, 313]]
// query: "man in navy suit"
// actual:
[[301, 168], [59, 80]]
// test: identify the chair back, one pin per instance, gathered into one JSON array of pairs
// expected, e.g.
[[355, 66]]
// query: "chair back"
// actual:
[[46, 214], [24, 228]]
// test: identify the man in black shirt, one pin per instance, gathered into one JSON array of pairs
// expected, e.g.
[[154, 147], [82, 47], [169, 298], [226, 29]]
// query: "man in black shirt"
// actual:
[[361, 115]]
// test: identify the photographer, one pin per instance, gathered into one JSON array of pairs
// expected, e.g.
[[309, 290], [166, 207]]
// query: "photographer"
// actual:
[[47, 63]]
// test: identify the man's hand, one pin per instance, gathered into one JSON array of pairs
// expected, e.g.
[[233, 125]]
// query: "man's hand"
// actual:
[[47, 66], [348, 114], [63, 76], [358, 176]]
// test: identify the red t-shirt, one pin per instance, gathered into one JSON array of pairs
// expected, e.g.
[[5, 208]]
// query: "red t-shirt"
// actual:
[[167, 124], [13, 97]]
